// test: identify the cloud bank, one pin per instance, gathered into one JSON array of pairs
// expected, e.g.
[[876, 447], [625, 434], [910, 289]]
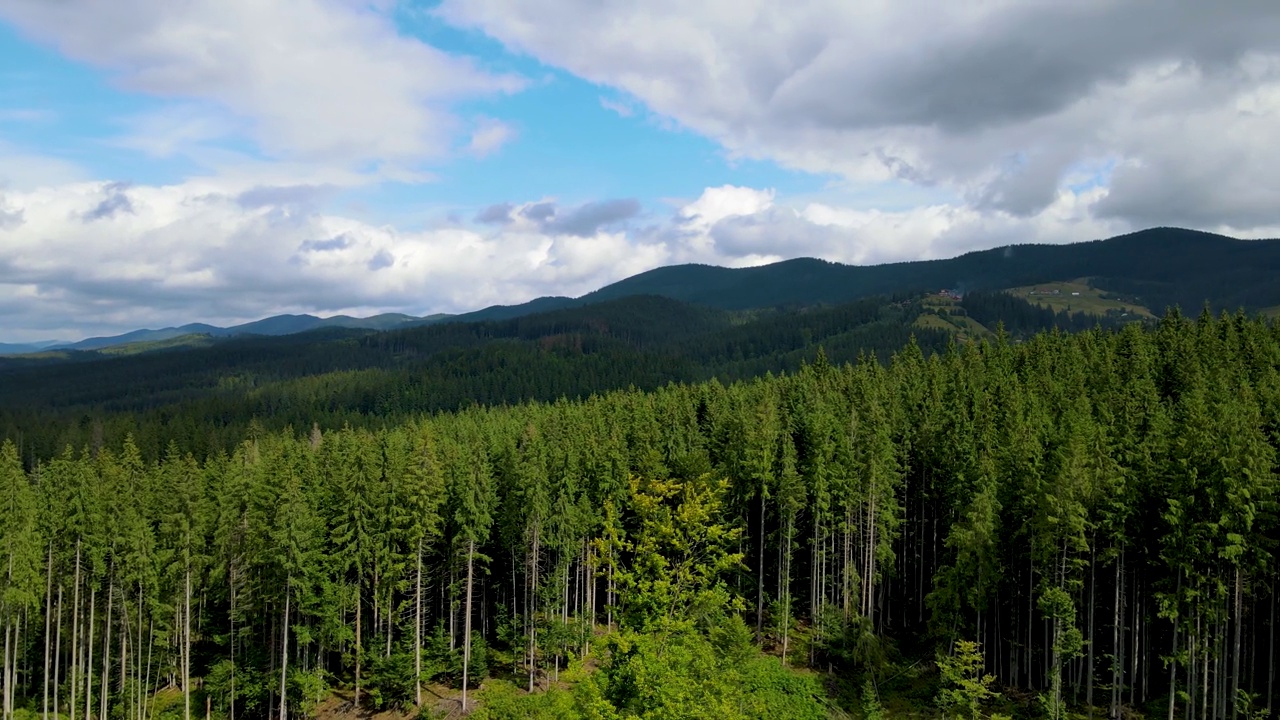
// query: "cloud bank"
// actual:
[[1172, 105]]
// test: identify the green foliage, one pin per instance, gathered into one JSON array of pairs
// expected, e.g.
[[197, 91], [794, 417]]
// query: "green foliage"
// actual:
[[871, 708], [390, 681], [688, 674], [1067, 499], [307, 688], [681, 552], [963, 688], [500, 700]]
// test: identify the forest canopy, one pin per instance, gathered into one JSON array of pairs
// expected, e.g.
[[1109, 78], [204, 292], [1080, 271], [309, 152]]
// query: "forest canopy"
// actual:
[[1078, 522]]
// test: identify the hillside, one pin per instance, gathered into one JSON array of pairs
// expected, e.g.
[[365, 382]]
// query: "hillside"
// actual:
[[1159, 267], [205, 392], [1081, 296], [909, 540], [1147, 271]]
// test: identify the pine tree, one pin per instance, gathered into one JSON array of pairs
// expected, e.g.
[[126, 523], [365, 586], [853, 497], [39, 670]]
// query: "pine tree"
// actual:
[[20, 546]]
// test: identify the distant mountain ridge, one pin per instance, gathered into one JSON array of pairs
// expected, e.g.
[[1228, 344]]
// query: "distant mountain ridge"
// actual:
[[1165, 266], [276, 325], [1160, 267]]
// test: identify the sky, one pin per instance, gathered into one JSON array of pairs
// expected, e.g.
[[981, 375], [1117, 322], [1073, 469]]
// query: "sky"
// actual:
[[221, 161]]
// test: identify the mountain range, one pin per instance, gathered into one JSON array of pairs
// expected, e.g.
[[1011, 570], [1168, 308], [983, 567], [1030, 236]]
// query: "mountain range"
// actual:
[[1155, 268]]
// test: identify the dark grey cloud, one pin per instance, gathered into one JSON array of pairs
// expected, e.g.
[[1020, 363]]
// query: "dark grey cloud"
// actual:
[[115, 202], [540, 211], [499, 214], [1026, 184], [337, 242], [587, 219], [1197, 196], [1029, 62], [1177, 93], [384, 259]]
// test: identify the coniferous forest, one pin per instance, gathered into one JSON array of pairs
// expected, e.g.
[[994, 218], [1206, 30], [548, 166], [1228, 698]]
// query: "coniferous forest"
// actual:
[[1074, 525]]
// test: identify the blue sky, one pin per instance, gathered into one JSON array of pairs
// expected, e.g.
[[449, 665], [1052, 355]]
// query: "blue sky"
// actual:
[[223, 161], [568, 144]]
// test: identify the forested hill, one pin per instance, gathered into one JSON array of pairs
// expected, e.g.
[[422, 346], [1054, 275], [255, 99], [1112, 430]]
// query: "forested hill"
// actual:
[[1077, 525], [1156, 269], [205, 397], [1161, 267]]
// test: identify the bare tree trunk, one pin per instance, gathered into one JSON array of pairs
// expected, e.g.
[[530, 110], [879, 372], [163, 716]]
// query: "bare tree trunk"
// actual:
[[4, 672], [1117, 640], [417, 633], [75, 638], [359, 646], [532, 609], [390, 626], [232, 699], [186, 648], [57, 651], [1235, 669], [48, 608], [1088, 693], [466, 650], [106, 651], [88, 666], [1206, 651], [151, 646], [786, 589], [124, 649], [1271, 653], [760, 574], [1173, 665], [284, 651]]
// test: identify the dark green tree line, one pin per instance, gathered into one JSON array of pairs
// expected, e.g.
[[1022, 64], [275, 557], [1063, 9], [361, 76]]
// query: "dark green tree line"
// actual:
[[1093, 515]]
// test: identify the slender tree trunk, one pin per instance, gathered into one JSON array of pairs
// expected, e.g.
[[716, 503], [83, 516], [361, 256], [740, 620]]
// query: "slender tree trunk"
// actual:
[[532, 609], [106, 651], [124, 650], [75, 638], [359, 646], [1173, 665], [48, 613], [870, 569], [88, 666], [186, 647], [1031, 579], [284, 650], [1235, 668], [760, 574], [1088, 693], [786, 588], [1271, 653], [1204, 675], [146, 685], [387, 620], [1117, 640], [232, 699], [466, 650], [417, 632], [57, 651], [4, 671]]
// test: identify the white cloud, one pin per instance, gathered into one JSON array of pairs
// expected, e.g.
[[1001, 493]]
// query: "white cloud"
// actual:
[[96, 258], [489, 136], [101, 257], [998, 101], [620, 107], [317, 81]]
